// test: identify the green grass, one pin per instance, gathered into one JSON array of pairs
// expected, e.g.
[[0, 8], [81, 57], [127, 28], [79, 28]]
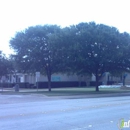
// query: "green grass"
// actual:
[[65, 91]]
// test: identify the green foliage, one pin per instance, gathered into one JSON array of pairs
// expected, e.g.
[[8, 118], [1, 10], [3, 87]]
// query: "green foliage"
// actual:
[[83, 49], [95, 49], [35, 51], [5, 66]]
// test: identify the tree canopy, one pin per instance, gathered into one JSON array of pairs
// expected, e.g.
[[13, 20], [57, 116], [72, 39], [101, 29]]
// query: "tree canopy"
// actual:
[[85, 48], [5, 66], [35, 50]]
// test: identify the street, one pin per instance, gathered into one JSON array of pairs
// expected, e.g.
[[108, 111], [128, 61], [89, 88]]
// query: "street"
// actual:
[[34, 112]]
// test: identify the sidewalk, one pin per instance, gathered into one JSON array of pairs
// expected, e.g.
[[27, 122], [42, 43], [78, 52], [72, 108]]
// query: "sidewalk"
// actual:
[[87, 95], [94, 95]]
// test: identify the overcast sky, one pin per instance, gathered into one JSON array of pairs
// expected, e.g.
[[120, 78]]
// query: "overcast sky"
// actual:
[[16, 15]]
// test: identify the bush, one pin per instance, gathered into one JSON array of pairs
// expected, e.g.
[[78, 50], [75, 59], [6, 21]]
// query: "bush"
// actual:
[[93, 83], [61, 84], [6, 85], [24, 85], [110, 82]]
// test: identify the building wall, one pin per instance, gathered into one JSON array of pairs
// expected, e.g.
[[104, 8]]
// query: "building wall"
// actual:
[[127, 80], [64, 77], [107, 77], [55, 77]]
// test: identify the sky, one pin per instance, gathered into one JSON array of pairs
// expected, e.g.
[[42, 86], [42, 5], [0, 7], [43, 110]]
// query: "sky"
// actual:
[[16, 15]]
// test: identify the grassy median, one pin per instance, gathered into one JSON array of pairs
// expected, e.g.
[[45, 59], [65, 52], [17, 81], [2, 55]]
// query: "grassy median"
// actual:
[[64, 91]]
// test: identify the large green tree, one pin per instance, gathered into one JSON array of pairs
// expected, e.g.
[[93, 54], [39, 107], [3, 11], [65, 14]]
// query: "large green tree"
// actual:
[[103, 47], [83, 49], [97, 48], [35, 50]]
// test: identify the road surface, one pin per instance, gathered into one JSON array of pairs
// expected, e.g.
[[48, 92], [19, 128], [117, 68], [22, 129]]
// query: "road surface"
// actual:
[[34, 112]]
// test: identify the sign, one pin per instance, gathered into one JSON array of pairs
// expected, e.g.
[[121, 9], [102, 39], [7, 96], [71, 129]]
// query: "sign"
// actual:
[[37, 74], [55, 78], [37, 78]]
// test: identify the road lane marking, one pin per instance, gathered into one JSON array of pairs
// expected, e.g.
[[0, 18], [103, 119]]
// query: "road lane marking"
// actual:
[[63, 110]]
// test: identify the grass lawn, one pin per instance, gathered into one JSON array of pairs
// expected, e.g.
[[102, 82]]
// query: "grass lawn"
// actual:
[[65, 91]]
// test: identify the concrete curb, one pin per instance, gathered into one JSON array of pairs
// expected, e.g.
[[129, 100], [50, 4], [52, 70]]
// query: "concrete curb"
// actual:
[[92, 96]]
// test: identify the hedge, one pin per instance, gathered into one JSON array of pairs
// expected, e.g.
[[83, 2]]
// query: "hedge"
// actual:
[[61, 84], [93, 83]]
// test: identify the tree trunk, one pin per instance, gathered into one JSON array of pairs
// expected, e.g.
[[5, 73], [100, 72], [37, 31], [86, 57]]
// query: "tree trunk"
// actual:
[[123, 81], [49, 82], [97, 82]]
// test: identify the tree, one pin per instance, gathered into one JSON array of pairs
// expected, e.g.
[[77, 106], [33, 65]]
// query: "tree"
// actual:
[[97, 49], [83, 49], [35, 50], [4, 65], [103, 47]]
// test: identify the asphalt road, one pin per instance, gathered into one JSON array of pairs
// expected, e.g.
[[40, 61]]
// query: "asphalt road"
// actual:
[[33, 112]]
